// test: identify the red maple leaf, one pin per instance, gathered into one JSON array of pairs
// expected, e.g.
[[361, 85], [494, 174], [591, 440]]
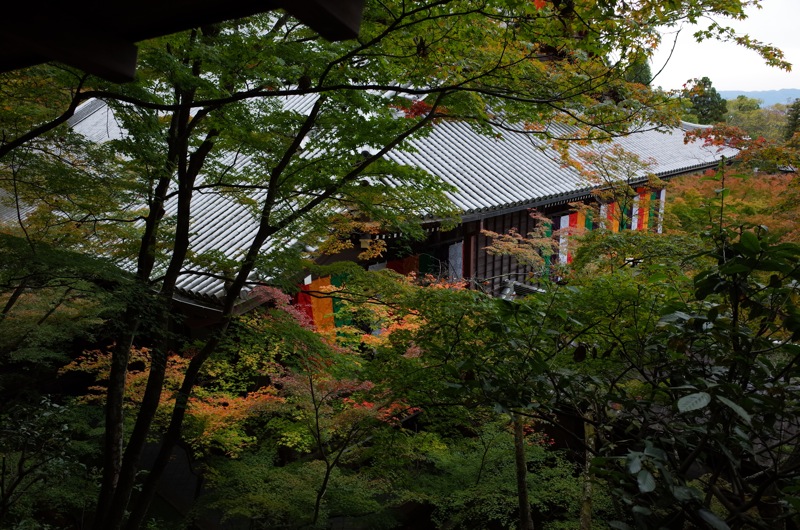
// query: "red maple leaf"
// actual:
[[539, 4]]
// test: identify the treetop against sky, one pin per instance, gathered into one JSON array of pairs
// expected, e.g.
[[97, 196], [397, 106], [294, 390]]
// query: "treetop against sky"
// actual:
[[727, 64]]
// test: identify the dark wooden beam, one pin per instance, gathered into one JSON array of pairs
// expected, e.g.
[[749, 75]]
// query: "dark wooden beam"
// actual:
[[331, 19], [107, 57], [98, 36]]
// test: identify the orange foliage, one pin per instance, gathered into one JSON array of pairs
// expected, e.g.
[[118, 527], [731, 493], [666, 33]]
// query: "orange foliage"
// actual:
[[752, 152], [342, 227], [531, 250], [395, 322], [220, 418], [758, 199], [349, 401], [417, 109], [98, 363], [722, 135]]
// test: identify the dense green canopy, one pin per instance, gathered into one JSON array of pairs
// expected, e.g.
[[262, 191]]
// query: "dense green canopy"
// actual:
[[206, 99]]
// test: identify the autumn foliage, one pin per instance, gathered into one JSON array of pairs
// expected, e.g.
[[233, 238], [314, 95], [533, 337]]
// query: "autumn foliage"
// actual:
[[759, 187]]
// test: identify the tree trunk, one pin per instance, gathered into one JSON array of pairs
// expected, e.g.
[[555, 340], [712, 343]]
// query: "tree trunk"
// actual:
[[133, 452], [525, 519], [586, 493], [113, 442], [155, 382], [321, 493], [173, 432], [114, 422], [14, 297]]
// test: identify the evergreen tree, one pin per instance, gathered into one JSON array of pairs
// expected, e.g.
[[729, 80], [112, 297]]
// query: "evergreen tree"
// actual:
[[708, 105], [793, 120], [639, 72]]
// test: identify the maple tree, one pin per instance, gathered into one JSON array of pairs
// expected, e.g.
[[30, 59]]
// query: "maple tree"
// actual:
[[613, 172], [755, 189], [533, 251], [754, 199]]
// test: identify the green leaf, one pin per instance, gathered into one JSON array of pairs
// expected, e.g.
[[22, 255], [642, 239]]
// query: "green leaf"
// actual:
[[647, 482], [695, 401], [736, 408], [712, 519], [655, 452], [675, 317], [734, 267], [750, 242], [684, 493], [634, 464]]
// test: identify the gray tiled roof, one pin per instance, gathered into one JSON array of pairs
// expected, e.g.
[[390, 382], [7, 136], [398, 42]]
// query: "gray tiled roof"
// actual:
[[490, 173], [516, 170], [8, 208], [95, 121]]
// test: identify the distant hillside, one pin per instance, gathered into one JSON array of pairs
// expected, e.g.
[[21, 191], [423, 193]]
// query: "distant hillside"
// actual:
[[769, 97]]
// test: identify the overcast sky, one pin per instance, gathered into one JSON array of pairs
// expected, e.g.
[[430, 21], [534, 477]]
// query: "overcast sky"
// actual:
[[731, 67]]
